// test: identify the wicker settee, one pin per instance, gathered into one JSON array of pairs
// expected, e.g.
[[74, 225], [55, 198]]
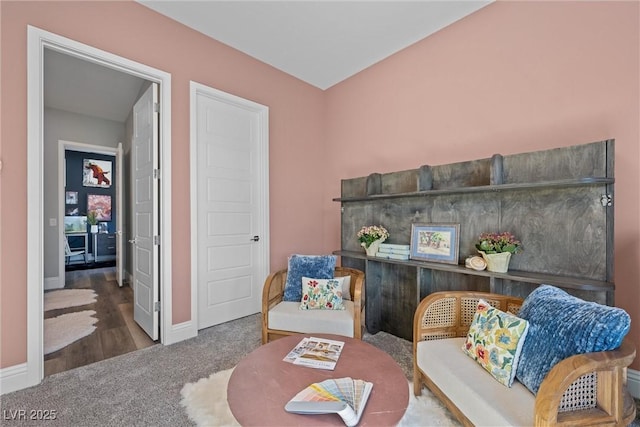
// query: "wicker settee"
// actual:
[[585, 389]]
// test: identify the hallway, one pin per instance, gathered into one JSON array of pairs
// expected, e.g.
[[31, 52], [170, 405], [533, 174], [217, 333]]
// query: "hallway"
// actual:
[[116, 332]]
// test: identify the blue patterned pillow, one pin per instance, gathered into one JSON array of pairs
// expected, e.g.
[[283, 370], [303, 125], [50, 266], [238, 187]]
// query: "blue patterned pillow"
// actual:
[[316, 266], [561, 325]]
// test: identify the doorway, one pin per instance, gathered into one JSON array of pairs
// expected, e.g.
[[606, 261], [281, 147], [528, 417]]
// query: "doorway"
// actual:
[[101, 245], [38, 41]]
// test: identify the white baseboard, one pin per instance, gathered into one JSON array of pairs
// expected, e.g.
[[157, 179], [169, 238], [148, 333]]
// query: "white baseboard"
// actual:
[[13, 378], [633, 382], [180, 332], [53, 283]]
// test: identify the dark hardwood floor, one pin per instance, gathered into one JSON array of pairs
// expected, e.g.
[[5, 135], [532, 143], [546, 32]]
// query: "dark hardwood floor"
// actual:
[[116, 332]]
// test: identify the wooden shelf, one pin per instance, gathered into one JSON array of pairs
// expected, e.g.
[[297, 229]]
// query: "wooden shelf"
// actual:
[[519, 276], [565, 222], [566, 183]]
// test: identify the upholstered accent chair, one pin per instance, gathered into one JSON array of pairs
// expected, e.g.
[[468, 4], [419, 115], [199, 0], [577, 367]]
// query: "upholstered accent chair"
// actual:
[[281, 318]]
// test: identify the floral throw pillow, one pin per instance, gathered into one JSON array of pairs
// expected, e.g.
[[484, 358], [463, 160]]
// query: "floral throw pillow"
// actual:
[[494, 340], [322, 294]]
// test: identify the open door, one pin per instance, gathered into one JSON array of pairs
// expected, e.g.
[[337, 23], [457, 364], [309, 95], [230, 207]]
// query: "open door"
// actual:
[[119, 217], [144, 188]]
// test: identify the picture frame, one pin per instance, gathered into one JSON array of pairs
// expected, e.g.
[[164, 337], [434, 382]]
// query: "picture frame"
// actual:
[[71, 198], [103, 227], [72, 211], [435, 242], [75, 224], [96, 173], [101, 204]]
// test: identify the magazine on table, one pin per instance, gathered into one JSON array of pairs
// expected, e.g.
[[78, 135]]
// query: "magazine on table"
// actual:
[[319, 353], [346, 397]]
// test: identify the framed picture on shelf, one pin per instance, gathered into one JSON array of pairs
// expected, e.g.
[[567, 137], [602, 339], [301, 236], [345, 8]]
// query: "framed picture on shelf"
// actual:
[[71, 198], [101, 205], [435, 242], [103, 227], [96, 173]]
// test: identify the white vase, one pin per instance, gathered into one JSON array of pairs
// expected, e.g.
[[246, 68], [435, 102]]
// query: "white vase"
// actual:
[[94, 228], [372, 250], [498, 263]]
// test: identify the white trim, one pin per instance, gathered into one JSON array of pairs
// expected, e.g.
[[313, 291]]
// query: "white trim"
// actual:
[[13, 378], [37, 41], [633, 382], [263, 174], [53, 283], [182, 331], [72, 146]]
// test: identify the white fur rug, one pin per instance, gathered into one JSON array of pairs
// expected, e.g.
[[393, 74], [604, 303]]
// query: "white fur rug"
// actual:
[[205, 402], [62, 330], [65, 298]]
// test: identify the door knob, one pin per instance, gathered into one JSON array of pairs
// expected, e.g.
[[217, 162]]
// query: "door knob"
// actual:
[[134, 241], [255, 238]]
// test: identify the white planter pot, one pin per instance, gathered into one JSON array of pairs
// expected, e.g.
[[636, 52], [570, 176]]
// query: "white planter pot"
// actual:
[[372, 250], [498, 263]]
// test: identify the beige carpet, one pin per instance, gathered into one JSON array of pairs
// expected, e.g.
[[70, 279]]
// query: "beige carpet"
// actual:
[[205, 402], [65, 298], [60, 331]]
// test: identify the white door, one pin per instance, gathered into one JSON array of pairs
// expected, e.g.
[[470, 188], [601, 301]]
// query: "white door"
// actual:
[[119, 216], [230, 234], [144, 188]]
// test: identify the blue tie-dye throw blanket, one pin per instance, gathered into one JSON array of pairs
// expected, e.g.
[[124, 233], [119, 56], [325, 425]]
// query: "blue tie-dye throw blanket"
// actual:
[[561, 325]]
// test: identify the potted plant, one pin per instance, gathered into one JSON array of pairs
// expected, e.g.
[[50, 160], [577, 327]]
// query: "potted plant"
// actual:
[[370, 237], [497, 248], [92, 219]]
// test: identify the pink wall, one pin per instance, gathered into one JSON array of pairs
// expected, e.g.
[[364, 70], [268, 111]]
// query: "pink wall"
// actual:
[[137, 33], [513, 77]]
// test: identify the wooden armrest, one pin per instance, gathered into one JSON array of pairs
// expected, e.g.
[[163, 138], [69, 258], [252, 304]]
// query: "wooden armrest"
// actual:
[[357, 296], [273, 289], [609, 368], [357, 285]]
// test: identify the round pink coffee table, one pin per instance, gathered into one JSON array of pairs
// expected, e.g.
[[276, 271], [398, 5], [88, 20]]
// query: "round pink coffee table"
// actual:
[[262, 383]]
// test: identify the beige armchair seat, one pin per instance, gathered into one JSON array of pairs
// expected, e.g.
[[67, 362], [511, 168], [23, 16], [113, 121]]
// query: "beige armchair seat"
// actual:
[[281, 318]]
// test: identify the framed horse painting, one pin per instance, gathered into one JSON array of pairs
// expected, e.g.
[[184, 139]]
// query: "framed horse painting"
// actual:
[[96, 173]]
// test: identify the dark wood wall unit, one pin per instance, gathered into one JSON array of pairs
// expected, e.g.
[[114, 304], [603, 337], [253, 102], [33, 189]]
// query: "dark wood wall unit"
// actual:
[[558, 202]]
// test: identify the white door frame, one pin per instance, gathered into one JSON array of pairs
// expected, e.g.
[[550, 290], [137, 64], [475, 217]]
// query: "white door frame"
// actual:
[[37, 41], [74, 146], [262, 172]]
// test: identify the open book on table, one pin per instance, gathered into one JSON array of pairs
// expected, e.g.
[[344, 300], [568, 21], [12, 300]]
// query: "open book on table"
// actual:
[[346, 397], [320, 353]]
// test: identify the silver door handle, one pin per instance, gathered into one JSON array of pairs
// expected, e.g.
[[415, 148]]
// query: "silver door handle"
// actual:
[[134, 241], [255, 238]]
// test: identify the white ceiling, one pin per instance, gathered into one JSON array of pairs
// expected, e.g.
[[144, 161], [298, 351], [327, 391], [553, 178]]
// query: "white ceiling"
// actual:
[[79, 86], [321, 42]]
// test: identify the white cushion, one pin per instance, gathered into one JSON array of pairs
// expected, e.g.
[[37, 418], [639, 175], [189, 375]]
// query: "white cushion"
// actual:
[[287, 316], [346, 287], [483, 400]]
